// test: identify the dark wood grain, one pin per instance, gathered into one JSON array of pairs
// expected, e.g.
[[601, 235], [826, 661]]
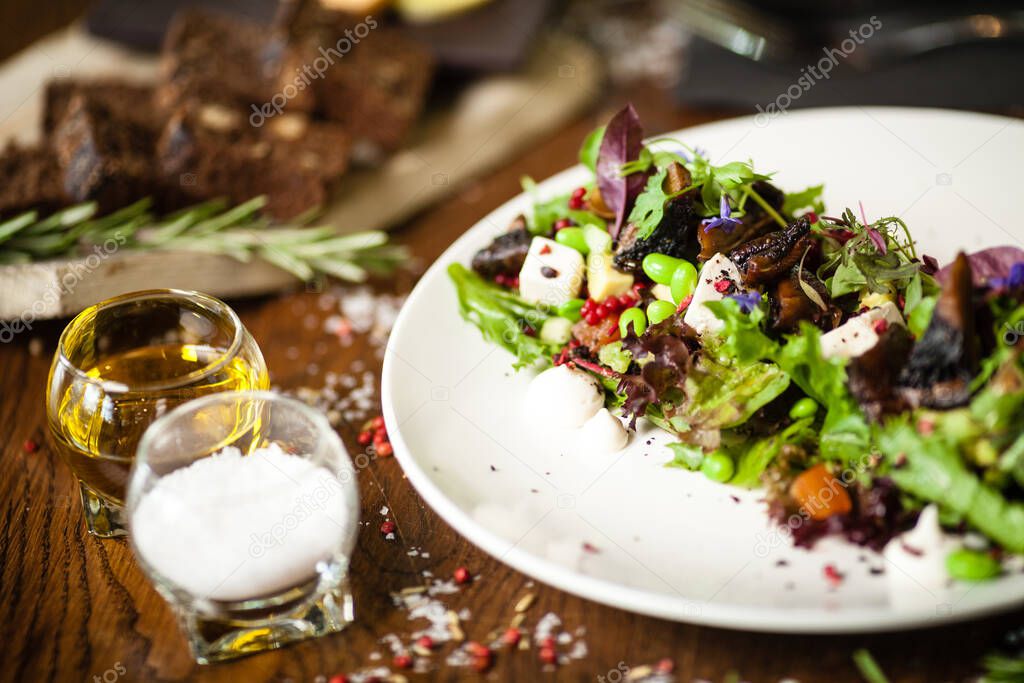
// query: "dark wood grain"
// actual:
[[74, 607]]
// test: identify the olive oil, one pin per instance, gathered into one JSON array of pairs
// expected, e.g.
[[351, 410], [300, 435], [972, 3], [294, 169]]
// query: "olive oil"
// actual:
[[100, 419]]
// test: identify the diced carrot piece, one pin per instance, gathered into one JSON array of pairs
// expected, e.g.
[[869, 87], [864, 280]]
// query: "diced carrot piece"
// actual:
[[819, 494]]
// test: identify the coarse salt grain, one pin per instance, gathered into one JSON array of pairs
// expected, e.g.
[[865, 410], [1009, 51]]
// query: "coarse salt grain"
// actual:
[[222, 527]]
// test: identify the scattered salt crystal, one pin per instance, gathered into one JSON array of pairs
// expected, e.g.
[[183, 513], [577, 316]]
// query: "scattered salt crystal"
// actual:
[[546, 626], [222, 527], [384, 511], [578, 650]]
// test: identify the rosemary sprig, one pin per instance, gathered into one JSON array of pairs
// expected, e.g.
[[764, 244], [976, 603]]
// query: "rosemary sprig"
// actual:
[[241, 232]]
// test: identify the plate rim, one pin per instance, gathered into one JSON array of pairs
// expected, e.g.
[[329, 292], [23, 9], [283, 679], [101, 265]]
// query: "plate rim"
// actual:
[[641, 601]]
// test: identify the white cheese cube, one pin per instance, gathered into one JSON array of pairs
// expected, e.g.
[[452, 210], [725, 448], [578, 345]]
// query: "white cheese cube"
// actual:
[[698, 316], [857, 335], [552, 273]]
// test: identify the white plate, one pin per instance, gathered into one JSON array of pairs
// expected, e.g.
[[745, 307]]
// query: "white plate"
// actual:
[[625, 531]]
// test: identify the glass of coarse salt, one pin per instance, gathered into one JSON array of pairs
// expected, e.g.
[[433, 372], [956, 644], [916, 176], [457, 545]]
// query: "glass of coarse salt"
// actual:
[[243, 510]]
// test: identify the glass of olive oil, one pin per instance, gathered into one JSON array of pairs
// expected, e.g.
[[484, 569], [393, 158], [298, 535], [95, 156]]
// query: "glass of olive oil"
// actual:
[[123, 363]]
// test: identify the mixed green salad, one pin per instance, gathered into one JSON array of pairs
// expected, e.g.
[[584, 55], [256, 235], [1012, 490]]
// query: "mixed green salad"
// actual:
[[816, 355]]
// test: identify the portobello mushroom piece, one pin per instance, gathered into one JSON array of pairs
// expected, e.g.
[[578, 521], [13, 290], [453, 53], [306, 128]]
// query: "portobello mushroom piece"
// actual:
[[873, 376], [506, 254], [766, 258], [789, 303], [945, 360], [676, 235], [753, 225]]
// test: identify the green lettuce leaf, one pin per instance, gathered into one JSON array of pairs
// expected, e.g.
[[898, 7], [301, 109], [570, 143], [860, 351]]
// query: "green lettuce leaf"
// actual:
[[935, 471], [686, 456], [809, 199], [754, 458], [721, 394], [502, 316]]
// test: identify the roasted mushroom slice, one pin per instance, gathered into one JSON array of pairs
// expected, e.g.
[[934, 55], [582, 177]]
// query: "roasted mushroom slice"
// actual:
[[945, 360], [754, 224], [676, 235], [506, 254], [873, 375], [790, 302], [768, 257]]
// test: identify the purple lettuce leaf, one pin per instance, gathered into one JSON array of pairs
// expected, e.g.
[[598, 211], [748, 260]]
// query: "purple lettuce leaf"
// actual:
[[988, 264], [622, 142], [670, 345]]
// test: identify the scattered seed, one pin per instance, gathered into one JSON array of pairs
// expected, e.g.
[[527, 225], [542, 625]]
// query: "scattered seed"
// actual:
[[30, 446], [454, 627], [403, 661], [387, 527], [517, 620], [413, 590], [511, 636], [639, 672], [525, 602]]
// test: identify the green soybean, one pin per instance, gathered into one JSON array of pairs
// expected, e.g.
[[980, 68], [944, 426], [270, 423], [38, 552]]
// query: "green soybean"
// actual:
[[659, 267], [570, 309], [632, 317], [972, 565], [658, 311], [684, 281], [572, 237], [805, 407], [718, 467]]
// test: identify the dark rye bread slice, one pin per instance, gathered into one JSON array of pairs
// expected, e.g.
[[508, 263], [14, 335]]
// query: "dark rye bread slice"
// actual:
[[213, 57], [102, 156], [371, 78], [292, 139], [30, 179], [130, 101], [209, 150], [375, 84]]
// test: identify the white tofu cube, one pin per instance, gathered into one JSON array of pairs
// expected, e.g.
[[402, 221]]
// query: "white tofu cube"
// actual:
[[698, 316], [552, 273], [858, 335]]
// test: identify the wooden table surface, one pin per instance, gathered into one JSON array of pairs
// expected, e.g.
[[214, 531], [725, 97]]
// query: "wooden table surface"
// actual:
[[73, 607]]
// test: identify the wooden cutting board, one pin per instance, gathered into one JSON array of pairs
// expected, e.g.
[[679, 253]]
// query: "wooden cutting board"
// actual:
[[487, 122]]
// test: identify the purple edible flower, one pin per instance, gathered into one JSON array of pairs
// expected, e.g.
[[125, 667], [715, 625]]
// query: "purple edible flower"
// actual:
[[724, 221], [1013, 280], [748, 301]]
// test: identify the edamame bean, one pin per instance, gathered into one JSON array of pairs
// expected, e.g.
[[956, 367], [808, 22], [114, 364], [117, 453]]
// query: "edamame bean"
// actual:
[[805, 407], [572, 237], [684, 281], [718, 467], [570, 309], [632, 317], [659, 267], [658, 311], [972, 565]]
